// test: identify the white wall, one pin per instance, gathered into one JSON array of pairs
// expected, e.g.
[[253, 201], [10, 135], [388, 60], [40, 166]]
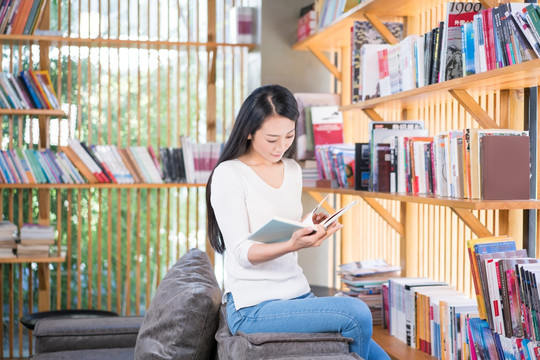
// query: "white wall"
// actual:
[[275, 62]]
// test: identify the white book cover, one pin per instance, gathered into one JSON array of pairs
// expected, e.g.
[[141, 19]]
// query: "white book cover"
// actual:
[[187, 153], [394, 68], [280, 229], [242, 22], [369, 71], [419, 61], [407, 63]]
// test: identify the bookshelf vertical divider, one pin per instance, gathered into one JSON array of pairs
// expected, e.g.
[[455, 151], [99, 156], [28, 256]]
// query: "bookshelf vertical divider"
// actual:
[[44, 195]]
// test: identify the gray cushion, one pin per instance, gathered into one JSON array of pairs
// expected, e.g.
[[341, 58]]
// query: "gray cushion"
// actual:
[[183, 315], [280, 345], [96, 354], [54, 334]]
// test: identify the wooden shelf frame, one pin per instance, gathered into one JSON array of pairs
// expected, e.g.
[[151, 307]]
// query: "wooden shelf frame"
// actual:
[[395, 348], [463, 208], [113, 43], [511, 77], [99, 186], [38, 260], [32, 112]]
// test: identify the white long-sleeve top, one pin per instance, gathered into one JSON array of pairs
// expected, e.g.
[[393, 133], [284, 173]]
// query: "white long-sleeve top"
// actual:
[[242, 203]]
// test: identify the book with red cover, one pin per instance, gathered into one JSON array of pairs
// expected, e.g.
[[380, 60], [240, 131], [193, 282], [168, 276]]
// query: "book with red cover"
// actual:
[[505, 163], [327, 125]]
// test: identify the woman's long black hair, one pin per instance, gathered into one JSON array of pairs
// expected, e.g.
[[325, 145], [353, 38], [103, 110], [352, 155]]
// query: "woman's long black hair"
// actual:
[[263, 102]]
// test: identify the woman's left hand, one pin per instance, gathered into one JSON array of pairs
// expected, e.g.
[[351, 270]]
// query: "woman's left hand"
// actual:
[[319, 218]]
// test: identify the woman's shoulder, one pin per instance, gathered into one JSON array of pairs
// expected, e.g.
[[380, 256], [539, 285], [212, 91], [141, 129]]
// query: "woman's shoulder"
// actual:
[[291, 164]]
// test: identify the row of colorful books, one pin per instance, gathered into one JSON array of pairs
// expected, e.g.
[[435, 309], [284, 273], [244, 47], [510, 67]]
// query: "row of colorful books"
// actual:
[[79, 163], [20, 17], [329, 10], [30, 89], [468, 163], [470, 41], [33, 240], [501, 323]]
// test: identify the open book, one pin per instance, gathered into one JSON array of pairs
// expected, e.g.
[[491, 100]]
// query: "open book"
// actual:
[[280, 229]]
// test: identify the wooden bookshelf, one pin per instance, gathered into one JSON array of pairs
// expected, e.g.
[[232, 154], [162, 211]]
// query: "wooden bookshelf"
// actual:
[[32, 112], [436, 200], [40, 260], [114, 43], [516, 76], [395, 348], [337, 34], [100, 186]]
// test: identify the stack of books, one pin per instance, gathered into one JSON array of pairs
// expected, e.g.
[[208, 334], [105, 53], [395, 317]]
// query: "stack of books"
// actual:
[[364, 280], [8, 237], [35, 240]]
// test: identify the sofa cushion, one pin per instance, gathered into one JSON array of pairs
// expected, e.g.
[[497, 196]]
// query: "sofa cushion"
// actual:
[[54, 334], [183, 316], [280, 345], [94, 354]]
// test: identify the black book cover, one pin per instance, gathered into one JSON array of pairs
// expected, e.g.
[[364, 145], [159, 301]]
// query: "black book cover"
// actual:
[[164, 153], [361, 165], [91, 153], [384, 165], [499, 34], [178, 165], [437, 53]]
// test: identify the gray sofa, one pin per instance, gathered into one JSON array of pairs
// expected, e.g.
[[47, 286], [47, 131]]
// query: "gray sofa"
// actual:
[[185, 320]]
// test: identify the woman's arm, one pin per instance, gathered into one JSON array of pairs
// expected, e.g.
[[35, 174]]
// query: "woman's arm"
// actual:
[[301, 239]]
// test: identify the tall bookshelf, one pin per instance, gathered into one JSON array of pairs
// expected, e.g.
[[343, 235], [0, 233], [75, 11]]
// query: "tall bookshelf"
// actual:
[[126, 73], [425, 234]]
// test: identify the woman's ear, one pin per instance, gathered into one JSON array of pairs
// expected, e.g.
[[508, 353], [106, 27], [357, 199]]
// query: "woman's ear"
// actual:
[[249, 137]]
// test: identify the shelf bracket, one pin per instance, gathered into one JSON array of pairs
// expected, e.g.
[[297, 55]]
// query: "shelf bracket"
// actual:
[[381, 28], [396, 225], [318, 198], [472, 107], [372, 114], [324, 60], [472, 222], [489, 3]]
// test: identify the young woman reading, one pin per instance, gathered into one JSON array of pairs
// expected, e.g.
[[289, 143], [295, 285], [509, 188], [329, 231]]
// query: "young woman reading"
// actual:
[[255, 180]]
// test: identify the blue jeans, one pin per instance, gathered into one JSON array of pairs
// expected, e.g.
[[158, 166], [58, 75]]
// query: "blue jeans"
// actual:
[[310, 314]]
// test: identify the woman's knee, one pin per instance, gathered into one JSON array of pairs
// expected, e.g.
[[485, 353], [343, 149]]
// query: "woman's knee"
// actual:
[[358, 311]]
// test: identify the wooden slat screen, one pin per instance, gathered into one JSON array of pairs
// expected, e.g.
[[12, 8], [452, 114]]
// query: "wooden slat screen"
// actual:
[[119, 242]]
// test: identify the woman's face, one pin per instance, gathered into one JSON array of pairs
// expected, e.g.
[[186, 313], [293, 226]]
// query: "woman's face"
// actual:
[[273, 139]]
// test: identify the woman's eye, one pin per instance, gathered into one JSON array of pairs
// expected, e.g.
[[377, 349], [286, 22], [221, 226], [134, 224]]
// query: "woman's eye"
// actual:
[[272, 141]]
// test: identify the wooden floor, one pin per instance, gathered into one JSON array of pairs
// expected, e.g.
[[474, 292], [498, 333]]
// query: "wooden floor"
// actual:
[[395, 348]]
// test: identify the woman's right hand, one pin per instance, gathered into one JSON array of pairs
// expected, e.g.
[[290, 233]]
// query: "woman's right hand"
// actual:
[[312, 236]]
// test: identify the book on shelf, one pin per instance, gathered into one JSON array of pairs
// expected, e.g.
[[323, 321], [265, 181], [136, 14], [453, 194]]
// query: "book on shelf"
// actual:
[[280, 229], [362, 32], [327, 124], [457, 15], [505, 160], [242, 24], [29, 90], [305, 147], [307, 23], [199, 159], [362, 166], [336, 163], [21, 17]]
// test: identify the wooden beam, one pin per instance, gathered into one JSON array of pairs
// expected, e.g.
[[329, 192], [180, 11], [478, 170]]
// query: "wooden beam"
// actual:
[[372, 114], [489, 3], [318, 198], [472, 222], [324, 60], [381, 28], [44, 287], [472, 107], [396, 225], [211, 76]]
